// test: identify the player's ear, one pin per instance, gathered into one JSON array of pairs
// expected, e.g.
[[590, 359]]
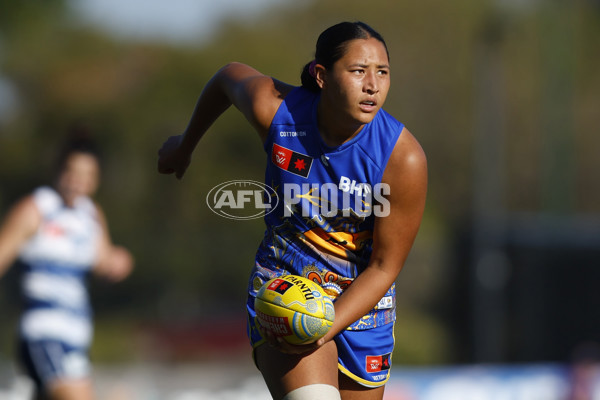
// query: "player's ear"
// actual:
[[320, 73]]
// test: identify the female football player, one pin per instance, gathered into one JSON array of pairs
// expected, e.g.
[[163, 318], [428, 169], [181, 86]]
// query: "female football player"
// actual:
[[351, 181], [59, 234]]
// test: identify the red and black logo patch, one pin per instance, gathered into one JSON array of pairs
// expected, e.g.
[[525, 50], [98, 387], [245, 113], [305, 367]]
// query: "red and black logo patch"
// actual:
[[280, 286], [291, 161], [378, 363]]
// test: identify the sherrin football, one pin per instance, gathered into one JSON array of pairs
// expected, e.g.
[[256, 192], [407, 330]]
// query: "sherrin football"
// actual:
[[294, 308]]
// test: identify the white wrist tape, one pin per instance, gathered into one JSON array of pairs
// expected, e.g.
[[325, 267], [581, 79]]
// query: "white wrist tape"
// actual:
[[318, 391]]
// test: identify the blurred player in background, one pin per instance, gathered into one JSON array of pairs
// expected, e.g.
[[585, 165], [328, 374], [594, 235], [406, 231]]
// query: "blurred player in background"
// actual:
[[58, 234], [329, 133]]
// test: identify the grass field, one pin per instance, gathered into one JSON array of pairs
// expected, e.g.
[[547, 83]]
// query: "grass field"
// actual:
[[237, 379]]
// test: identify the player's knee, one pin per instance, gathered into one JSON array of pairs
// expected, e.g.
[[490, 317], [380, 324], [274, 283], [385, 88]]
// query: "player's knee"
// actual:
[[316, 391]]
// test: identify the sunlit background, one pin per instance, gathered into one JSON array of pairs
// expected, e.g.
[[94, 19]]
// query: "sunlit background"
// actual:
[[499, 297]]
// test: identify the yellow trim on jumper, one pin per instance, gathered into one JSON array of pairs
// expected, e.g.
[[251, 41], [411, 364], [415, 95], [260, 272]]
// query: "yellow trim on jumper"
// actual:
[[337, 243]]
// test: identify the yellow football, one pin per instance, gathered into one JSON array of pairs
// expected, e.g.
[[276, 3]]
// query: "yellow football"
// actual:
[[294, 308]]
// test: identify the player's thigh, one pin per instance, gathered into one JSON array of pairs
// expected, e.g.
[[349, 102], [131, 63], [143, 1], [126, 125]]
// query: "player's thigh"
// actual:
[[285, 372], [350, 390], [71, 390]]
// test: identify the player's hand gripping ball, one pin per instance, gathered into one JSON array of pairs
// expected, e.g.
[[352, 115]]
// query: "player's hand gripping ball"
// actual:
[[294, 308]]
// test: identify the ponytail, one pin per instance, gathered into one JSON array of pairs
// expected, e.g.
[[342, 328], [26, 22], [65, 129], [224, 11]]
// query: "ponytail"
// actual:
[[308, 80]]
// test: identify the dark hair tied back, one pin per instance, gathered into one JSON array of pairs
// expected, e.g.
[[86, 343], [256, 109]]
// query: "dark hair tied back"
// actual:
[[78, 140], [331, 46]]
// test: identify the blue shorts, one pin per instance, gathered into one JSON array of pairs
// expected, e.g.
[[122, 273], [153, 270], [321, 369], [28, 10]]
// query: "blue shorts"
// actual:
[[366, 355], [48, 360], [363, 355]]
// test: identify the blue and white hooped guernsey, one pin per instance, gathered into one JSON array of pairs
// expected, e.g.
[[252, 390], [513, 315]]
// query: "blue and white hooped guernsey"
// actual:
[[329, 197], [56, 261]]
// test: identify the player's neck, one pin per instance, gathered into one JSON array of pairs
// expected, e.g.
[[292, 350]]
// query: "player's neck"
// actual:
[[336, 131]]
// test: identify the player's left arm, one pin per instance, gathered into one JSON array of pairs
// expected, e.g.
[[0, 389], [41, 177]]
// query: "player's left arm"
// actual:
[[113, 262], [394, 233]]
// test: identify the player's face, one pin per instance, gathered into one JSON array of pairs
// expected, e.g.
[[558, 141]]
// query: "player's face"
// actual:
[[358, 83], [79, 177]]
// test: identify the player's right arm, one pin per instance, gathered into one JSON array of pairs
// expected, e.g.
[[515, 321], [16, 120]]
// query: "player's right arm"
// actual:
[[255, 95], [113, 262], [20, 224]]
